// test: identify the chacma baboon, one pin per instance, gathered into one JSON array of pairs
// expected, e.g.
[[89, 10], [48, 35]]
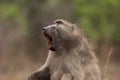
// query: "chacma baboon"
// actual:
[[69, 54]]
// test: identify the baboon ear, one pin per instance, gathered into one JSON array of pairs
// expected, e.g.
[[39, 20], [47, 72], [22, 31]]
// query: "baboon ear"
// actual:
[[59, 21], [74, 26]]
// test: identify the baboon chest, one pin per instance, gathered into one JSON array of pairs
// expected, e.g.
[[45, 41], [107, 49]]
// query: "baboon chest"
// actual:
[[57, 69]]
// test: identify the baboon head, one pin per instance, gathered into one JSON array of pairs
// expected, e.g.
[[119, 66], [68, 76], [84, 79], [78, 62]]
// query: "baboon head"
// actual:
[[61, 34]]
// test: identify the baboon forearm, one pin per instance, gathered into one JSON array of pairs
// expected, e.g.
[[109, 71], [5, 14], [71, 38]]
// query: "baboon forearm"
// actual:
[[44, 73], [41, 74]]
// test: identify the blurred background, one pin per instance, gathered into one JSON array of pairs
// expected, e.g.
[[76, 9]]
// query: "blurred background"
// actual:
[[23, 48]]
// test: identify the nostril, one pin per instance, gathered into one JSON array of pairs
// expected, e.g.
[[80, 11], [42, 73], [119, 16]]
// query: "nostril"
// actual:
[[43, 28]]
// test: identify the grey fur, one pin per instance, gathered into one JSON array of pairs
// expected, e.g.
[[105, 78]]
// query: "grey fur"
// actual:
[[73, 55]]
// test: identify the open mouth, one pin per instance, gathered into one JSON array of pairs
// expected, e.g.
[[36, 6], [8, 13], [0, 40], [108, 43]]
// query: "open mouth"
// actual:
[[50, 41]]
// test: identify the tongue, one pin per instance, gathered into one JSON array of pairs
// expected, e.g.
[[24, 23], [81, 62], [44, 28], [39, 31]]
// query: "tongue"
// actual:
[[49, 44]]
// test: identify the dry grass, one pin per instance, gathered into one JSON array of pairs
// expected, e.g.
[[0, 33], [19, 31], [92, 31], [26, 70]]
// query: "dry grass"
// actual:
[[19, 73], [112, 73], [106, 66], [20, 68]]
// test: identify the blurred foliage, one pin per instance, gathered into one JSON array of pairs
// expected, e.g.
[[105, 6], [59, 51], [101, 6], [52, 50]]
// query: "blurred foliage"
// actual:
[[14, 12], [100, 18]]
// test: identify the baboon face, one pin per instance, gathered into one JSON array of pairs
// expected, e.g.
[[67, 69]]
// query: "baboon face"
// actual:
[[58, 34]]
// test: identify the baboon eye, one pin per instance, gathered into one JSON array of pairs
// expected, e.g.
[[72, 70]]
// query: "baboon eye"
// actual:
[[59, 21]]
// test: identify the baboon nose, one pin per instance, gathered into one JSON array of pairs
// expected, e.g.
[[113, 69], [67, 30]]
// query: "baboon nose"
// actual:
[[43, 28]]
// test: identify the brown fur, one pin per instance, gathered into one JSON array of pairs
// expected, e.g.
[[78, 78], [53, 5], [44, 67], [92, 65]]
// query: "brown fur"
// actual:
[[72, 57], [66, 76]]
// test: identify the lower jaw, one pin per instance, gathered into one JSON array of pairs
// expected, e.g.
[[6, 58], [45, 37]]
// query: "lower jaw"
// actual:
[[52, 49]]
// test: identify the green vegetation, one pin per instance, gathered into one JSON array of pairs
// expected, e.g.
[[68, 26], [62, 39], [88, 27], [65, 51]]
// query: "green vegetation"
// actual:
[[100, 18]]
